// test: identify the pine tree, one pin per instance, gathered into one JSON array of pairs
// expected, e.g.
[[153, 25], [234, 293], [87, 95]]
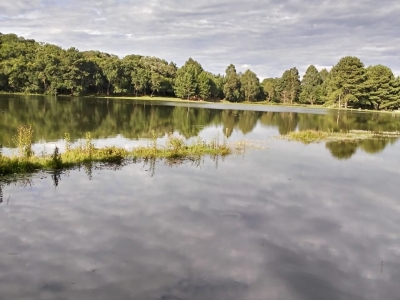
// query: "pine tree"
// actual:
[[382, 88], [204, 85], [232, 84], [311, 86], [347, 81], [288, 86]]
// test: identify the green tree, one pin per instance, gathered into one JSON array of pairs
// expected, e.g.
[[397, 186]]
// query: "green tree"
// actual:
[[232, 84], [250, 85], [288, 87], [382, 89], [324, 73], [347, 81], [311, 86], [204, 85], [187, 79], [140, 79], [185, 85], [73, 73], [111, 67], [269, 88]]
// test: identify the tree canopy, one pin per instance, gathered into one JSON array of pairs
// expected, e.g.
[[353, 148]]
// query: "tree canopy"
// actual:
[[27, 66]]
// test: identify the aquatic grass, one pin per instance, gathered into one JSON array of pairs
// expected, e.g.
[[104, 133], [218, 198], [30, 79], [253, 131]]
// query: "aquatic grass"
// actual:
[[175, 149], [311, 136], [23, 141]]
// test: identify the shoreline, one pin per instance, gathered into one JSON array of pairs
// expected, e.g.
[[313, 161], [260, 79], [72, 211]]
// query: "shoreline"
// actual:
[[209, 104]]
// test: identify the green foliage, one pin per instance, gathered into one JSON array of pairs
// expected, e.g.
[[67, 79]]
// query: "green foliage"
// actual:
[[191, 80], [347, 82], [269, 89], [175, 148], [174, 143], [232, 85], [67, 139], [89, 146], [185, 84], [288, 87], [311, 90], [27, 66], [382, 89], [204, 85], [309, 136], [23, 141], [250, 85], [324, 73]]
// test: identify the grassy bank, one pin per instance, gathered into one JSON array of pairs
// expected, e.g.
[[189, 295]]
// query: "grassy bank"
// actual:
[[311, 136], [175, 149]]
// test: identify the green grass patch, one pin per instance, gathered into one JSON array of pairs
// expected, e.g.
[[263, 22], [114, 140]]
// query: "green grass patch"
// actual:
[[311, 136], [174, 150]]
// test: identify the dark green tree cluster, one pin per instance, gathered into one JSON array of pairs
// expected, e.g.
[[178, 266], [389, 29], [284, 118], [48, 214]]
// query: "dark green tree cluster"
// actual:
[[349, 83], [27, 66], [192, 82], [30, 67]]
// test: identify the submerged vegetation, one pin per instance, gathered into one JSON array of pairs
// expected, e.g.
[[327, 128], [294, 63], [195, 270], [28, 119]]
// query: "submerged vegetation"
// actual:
[[310, 136], [174, 150]]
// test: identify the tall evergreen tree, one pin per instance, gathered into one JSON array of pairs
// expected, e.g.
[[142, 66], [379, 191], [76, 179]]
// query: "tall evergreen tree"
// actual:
[[382, 89], [204, 85], [347, 81], [288, 87], [232, 84], [311, 86], [250, 85]]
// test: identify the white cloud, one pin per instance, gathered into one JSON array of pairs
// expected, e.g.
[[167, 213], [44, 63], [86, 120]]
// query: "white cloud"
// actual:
[[270, 36]]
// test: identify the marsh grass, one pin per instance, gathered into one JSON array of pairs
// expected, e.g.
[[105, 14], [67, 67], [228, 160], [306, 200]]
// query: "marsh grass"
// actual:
[[23, 141], [85, 154], [176, 148], [311, 136]]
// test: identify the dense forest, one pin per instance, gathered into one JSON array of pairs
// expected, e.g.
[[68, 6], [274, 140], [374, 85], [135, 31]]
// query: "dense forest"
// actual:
[[27, 66]]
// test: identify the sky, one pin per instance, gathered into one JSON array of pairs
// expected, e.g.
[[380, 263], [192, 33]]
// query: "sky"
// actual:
[[267, 36]]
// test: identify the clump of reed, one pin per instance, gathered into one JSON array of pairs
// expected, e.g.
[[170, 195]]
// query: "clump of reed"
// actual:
[[310, 136], [23, 141], [175, 148]]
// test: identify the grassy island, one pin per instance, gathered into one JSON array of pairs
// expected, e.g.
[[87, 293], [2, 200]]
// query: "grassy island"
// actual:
[[175, 149], [310, 136]]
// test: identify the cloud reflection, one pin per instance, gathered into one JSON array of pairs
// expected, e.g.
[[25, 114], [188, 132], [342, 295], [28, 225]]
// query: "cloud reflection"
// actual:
[[287, 223]]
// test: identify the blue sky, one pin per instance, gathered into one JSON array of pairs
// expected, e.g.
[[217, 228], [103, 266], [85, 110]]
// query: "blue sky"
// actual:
[[267, 36]]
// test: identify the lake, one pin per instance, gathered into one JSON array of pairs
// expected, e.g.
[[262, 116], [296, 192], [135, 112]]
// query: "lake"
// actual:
[[289, 221]]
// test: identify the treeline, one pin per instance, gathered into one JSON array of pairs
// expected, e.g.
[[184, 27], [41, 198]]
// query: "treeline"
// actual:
[[27, 66]]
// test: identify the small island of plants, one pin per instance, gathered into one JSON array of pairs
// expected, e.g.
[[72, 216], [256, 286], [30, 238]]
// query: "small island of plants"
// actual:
[[310, 136], [175, 149]]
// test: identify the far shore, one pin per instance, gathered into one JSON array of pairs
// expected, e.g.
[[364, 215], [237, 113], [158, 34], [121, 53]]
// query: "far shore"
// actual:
[[258, 103], [208, 102]]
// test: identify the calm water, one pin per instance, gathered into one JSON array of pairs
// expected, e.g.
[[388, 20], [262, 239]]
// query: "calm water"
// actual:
[[292, 221]]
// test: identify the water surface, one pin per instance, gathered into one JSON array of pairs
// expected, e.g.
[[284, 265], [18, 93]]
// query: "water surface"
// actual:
[[291, 221]]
